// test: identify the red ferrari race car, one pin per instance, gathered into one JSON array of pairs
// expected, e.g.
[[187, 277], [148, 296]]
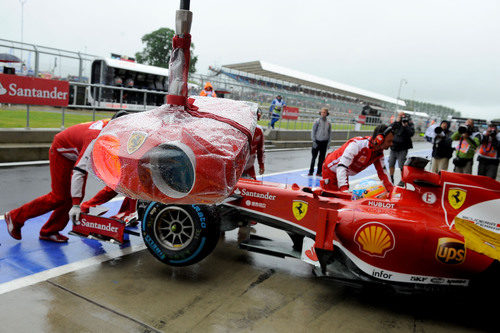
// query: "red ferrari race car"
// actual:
[[408, 241]]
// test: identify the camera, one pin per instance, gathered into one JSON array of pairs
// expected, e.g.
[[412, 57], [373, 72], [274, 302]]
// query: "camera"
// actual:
[[462, 129], [438, 130], [405, 119]]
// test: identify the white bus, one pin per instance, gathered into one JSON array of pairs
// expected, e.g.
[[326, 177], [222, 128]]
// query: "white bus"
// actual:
[[123, 84]]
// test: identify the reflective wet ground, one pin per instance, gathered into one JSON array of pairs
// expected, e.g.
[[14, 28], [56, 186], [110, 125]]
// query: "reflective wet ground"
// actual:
[[230, 291]]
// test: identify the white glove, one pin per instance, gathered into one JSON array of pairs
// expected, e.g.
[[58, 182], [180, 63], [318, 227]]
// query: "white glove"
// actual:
[[315, 145], [74, 213]]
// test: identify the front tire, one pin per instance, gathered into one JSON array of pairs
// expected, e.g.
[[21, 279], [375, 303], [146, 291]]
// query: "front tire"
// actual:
[[180, 235]]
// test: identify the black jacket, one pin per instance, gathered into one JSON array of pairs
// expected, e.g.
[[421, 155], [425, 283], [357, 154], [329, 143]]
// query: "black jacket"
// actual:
[[442, 145], [402, 136]]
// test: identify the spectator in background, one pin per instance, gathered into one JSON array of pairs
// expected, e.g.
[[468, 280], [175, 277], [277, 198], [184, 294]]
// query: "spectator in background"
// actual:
[[488, 152], [256, 150], [403, 131], [441, 147], [466, 148], [320, 135], [208, 90], [275, 109]]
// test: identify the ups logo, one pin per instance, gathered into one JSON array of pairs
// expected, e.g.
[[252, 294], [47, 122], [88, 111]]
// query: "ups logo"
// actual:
[[450, 251]]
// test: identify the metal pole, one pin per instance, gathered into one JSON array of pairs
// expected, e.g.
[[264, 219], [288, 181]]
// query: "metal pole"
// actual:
[[62, 122], [27, 116]]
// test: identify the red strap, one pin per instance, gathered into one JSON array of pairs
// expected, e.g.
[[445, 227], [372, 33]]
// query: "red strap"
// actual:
[[176, 100]]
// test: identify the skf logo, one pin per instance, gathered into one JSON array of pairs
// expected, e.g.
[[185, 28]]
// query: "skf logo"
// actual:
[[135, 141], [456, 197], [450, 251], [299, 209], [375, 239]]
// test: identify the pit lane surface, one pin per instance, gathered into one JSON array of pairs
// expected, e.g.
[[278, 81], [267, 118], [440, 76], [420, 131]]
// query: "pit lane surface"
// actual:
[[90, 286]]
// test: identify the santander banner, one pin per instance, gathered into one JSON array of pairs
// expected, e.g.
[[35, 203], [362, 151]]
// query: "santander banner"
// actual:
[[290, 113], [16, 89]]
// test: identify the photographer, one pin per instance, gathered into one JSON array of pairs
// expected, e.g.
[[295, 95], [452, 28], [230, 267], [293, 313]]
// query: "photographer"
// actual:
[[403, 131], [467, 145], [441, 147], [488, 152]]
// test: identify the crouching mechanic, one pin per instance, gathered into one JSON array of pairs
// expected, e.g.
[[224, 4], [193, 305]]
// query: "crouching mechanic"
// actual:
[[127, 212], [356, 155]]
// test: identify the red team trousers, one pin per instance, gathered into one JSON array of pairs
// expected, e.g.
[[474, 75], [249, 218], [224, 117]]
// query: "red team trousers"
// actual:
[[59, 199]]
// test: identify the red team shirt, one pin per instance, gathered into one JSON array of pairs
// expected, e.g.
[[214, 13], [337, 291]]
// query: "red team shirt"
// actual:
[[353, 157]]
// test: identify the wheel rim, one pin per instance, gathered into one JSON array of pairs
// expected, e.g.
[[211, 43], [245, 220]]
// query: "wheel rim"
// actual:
[[174, 228]]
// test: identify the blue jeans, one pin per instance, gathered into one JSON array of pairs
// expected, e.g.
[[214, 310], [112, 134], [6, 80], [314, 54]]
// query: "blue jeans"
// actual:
[[274, 119]]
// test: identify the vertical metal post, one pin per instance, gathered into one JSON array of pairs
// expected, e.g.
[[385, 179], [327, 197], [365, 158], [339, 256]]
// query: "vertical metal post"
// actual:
[[37, 61], [27, 116], [121, 97], [62, 121]]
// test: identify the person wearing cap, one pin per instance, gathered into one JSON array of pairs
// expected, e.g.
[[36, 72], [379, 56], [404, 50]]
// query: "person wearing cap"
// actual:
[[403, 131], [208, 90], [275, 109], [488, 156]]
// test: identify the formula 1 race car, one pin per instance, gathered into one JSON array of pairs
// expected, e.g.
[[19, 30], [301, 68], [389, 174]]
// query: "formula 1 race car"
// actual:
[[407, 241]]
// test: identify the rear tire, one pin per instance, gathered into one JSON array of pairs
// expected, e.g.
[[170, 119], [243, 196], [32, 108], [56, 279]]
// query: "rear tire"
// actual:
[[180, 235]]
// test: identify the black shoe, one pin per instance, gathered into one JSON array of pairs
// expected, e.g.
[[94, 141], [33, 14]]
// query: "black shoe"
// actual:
[[319, 175], [310, 174]]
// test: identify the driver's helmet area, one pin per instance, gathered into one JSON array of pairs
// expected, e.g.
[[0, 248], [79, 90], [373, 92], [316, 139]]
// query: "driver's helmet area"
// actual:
[[369, 189]]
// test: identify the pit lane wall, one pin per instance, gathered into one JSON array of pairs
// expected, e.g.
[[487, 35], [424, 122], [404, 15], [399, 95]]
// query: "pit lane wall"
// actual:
[[20, 144]]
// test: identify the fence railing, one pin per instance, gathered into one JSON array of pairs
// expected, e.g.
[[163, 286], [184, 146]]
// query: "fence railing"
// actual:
[[98, 97]]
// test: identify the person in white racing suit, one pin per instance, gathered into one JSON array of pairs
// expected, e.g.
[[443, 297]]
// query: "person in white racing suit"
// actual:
[[356, 155]]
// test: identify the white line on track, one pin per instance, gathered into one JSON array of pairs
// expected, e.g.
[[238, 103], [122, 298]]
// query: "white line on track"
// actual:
[[74, 266]]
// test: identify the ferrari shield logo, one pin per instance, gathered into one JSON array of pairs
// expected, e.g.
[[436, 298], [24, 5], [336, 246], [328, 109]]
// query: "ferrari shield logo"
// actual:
[[299, 209], [135, 141], [456, 197]]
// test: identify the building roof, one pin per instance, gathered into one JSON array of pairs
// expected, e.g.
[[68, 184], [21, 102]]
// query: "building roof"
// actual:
[[134, 66], [268, 70]]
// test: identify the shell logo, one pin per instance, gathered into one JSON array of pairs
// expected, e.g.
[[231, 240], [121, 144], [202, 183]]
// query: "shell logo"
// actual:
[[375, 239]]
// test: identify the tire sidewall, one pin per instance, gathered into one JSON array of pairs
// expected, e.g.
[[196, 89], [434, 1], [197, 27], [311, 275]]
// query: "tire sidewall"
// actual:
[[200, 244]]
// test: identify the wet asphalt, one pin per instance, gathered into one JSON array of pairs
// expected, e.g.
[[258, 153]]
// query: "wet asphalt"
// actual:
[[230, 291]]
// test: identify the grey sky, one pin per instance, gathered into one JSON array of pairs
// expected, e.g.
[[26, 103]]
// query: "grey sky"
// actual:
[[448, 51]]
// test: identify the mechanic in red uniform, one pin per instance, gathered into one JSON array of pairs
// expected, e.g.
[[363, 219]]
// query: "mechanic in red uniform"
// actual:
[[256, 150], [356, 155], [65, 150]]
